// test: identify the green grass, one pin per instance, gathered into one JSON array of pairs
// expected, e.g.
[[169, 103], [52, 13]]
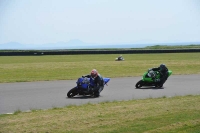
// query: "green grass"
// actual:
[[161, 115], [65, 67]]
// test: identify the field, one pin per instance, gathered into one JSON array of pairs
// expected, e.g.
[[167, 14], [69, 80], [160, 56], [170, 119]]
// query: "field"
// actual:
[[65, 67], [161, 115]]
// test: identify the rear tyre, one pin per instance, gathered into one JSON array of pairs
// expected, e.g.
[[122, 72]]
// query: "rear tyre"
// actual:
[[139, 84], [72, 92]]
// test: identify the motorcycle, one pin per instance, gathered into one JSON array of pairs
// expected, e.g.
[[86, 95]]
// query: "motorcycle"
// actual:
[[119, 59], [149, 77], [84, 87]]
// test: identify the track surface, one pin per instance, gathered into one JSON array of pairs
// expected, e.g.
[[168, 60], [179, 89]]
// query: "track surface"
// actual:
[[49, 94]]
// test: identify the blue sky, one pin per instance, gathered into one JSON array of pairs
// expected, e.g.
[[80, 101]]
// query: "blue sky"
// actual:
[[99, 21]]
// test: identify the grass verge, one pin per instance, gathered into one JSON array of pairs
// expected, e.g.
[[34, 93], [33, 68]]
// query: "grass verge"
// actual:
[[178, 114], [66, 67]]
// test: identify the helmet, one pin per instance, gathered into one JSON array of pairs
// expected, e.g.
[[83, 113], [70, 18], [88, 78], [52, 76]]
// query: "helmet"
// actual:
[[162, 67], [94, 73]]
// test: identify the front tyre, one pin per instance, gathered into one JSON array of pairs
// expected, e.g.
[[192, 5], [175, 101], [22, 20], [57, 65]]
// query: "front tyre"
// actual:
[[72, 92], [139, 84]]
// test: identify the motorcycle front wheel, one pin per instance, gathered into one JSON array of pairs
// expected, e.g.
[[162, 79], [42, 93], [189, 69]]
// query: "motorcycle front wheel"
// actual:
[[139, 84], [72, 92]]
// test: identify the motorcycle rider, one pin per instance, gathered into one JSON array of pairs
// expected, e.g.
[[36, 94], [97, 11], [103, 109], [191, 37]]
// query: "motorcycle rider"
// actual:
[[98, 80], [120, 57], [163, 70]]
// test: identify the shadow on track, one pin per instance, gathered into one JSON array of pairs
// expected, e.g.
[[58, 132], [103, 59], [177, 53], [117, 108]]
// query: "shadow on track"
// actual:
[[150, 87], [82, 97]]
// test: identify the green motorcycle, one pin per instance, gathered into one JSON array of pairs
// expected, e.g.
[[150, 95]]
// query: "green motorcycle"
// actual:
[[149, 78]]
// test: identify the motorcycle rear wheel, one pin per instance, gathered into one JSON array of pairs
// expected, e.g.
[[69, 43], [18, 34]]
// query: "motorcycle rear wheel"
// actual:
[[72, 92]]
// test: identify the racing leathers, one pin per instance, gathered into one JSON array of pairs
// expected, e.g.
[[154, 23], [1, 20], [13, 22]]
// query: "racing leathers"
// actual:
[[163, 75], [99, 84]]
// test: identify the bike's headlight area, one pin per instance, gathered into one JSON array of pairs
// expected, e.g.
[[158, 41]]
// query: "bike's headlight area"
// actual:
[[151, 74]]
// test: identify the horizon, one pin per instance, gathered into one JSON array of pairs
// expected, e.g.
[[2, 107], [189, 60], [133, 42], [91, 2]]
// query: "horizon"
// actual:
[[77, 44]]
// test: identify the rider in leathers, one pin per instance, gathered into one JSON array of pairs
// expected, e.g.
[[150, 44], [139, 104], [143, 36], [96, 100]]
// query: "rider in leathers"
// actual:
[[98, 80], [163, 74], [120, 57]]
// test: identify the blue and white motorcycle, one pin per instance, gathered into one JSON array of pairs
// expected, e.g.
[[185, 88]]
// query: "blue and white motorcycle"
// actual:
[[84, 87]]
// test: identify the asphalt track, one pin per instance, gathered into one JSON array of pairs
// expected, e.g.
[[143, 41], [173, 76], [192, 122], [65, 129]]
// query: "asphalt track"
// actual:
[[49, 94]]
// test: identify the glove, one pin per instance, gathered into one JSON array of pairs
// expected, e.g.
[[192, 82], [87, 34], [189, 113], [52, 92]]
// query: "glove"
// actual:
[[157, 80]]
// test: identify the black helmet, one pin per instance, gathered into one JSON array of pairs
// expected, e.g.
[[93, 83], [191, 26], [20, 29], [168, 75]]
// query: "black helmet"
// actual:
[[162, 67]]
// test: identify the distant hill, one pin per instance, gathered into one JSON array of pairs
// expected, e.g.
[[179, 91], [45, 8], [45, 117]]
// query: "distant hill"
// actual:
[[77, 44], [12, 45]]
